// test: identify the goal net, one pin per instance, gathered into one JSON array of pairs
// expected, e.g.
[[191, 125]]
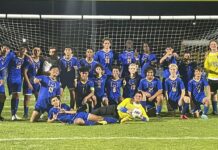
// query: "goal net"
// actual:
[[83, 33]]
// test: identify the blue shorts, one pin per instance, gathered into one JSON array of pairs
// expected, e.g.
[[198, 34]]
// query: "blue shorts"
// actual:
[[69, 83], [14, 86], [82, 115], [199, 99], [173, 104], [2, 89], [42, 107], [28, 91]]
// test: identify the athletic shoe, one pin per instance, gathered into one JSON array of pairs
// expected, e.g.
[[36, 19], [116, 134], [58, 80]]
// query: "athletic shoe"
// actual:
[[214, 113], [204, 116], [183, 117], [17, 117], [102, 122], [25, 116], [13, 118]]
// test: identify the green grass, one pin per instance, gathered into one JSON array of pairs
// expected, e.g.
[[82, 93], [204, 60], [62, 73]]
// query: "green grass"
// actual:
[[167, 133]]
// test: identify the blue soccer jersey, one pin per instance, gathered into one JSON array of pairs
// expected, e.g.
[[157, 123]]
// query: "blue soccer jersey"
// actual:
[[131, 86], [49, 88], [125, 59], [113, 88], [147, 60], [105, 59], [196, 88], [186, 72], [82, 90], [91, 65], [174, 88], [99, 84], [165, 65], [150, 86]]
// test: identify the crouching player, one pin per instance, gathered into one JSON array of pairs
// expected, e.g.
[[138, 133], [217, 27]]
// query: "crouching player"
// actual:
[[151, 88], [196, 90], [63, 113], [175, 92], [128, 109], [49, 87]]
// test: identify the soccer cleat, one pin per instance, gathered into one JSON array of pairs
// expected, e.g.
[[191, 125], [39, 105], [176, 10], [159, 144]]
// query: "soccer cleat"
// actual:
[[15, 117], [214, 113], [41, 117], [183, 117], [204, 116], [102, 122], [1, 118], [25, 116]]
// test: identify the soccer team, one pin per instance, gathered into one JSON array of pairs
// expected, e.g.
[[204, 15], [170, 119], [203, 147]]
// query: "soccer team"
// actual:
[[101, 92]]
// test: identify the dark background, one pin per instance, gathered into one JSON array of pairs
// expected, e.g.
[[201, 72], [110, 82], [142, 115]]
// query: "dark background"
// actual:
[[107, 8]]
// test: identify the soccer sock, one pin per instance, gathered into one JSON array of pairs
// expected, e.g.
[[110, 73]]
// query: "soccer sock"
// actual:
[[16, 105], [214, 104], [110, 119], [13, 105], [26, 110], [185, 108], [180, 108], [159, 108], [206, 108], [89, 123], [1, 107]]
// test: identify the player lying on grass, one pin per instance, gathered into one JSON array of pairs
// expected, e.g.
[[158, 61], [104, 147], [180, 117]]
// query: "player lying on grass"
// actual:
[[49, 87], [175, 92], [63, 113], [128, 109], [196, 90], [151, 88]]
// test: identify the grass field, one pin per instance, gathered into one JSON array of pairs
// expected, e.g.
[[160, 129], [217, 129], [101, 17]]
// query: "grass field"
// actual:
[[167, 133]]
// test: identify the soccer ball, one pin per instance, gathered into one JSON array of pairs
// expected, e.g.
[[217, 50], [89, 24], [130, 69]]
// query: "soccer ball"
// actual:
[[136, 113]]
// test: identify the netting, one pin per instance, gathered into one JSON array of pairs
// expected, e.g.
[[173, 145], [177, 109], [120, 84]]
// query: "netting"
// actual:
[[82, 34]]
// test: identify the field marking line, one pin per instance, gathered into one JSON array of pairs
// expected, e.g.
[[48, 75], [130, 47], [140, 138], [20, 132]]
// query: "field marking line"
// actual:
[[108, 138]]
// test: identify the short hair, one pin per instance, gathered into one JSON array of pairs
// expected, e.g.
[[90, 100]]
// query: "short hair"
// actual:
[[198, 68], [173, 65], [116, 67], [149, 69], [58, 97], [89, 49], [6, 44], [52, 47], [133, 64], [54, 66], [100, 66], [21, 48], [145, 42], [139, 92], [169, 45], [84, 69], [106, 39], [68, 46]]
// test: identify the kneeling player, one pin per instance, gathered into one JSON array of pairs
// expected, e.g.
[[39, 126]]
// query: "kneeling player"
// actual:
[[151, 88], [196, 90], [128, 109], [63, 113], [175, 92], [49, 87]]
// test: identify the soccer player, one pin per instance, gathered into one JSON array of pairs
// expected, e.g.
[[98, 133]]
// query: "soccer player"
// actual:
[[196, 90], [64, 114], [151, 88], [14, 79], [175, 92], [68, 65], [31, 69], [89, 62], [85, 90], [99, 85], [50, 87], [126, 58], [105, 56], [210, 65], [147, 59], [51, 60], [124, 111], [114, 87], [131, 82], [4, 61]]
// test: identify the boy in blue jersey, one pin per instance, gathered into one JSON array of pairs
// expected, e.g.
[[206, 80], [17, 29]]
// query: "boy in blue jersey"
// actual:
[[147, 59], [105, 56], [89, 62], [131, 82], [14, 79], [50, 87], [114, 87], [68, 65], [31, 70], [175, 92], [196, 90], [63, 113], [4, 61], [126, 58], [99, 85], [85, 90], [151, 88]]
